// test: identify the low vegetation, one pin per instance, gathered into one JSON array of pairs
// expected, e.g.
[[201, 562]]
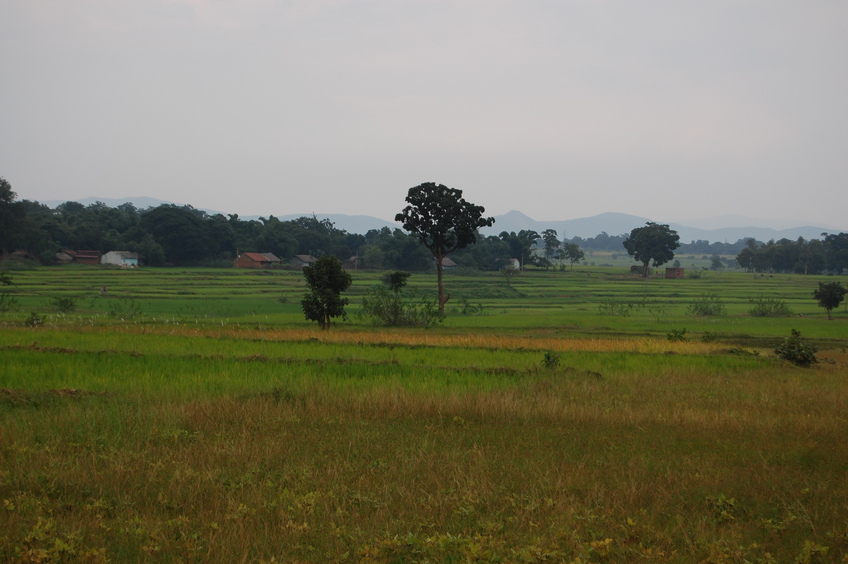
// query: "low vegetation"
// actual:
[[217, 424]]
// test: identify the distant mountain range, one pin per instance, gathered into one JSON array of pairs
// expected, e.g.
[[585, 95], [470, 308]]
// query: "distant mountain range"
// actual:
[[728, 228]]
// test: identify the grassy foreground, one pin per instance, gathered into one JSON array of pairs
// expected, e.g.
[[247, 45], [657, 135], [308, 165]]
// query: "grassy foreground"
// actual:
[[499, 438]]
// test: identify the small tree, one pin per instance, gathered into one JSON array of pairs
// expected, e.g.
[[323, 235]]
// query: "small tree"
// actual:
[[552, 244], [830, 295], [327, 280], [443, 222], [572, 253], [654, 242]]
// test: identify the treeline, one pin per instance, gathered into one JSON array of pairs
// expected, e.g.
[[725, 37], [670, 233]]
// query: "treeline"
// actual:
[[615, 243], [186, 236], [816, 256]]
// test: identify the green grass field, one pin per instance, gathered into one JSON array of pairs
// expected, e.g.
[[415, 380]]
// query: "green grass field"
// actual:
[[195, 416]]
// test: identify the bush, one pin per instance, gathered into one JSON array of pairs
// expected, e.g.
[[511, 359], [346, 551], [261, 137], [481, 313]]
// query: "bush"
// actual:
[[768, 307], [708, 337], [467, 308], [676, 335], [63, 305], [8, 302], [551, 360], [34, 320], [707, 305], [123, 309], [612, 307], [396, 308], [796, 350]]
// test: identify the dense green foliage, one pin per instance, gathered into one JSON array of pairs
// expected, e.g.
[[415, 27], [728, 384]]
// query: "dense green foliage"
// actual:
[[186, 236], [829, 295], [388, 304], [327, 280], [797, 350], [654, 243], [443, 222], [803, 257]]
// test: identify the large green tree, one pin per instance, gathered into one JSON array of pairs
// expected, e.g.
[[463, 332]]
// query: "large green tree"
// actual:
[[654, 242], [327, 280], [552, 243], [520, 245], [443, 222]]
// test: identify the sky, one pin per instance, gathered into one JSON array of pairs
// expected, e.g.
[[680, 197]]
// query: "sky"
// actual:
[[665, 109]]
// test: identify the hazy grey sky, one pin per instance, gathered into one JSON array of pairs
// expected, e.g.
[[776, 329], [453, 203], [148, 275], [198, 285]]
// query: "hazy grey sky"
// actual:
[[561, 109]]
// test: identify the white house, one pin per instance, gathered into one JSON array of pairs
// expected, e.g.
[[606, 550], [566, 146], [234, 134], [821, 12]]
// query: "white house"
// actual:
[[120, 258]]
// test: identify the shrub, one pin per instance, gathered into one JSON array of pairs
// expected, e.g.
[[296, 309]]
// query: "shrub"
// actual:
[[796, 350], [707, 305], [613, 307], [396, 308], [551, 360], [123, 309], [467, 308], [676, 335], [768, 307], [708, 337], [34, 320], [63, 305], [8, 302]]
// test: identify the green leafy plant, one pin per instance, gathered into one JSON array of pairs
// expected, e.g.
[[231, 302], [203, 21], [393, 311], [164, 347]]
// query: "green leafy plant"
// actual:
[[551, 359], [388, 304], [707, 305], [124, 309], [8, 302], [708, 337], [614, 307], [796, 350], [63, 305], [467, 308], [34, 320], [676, 335], [768, 307]]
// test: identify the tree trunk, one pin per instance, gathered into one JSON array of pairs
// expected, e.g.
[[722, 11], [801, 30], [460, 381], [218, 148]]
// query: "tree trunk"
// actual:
[[645, 269], [442, 299]]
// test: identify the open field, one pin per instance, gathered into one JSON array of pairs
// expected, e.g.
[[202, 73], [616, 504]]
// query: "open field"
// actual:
[[195, 416]]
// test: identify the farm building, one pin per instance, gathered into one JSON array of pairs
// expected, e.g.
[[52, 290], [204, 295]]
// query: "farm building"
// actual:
[[256, 260], [674, 272], [68, 256], [120, 258], [299, 261]]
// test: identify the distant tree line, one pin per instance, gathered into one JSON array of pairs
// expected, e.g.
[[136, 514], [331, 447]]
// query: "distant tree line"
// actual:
[[185, 236], [816, 256]]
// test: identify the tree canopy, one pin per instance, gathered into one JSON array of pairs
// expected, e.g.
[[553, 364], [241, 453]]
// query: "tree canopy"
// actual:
[[830, 295], [654, 242], [327, 280], [443, 222]]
